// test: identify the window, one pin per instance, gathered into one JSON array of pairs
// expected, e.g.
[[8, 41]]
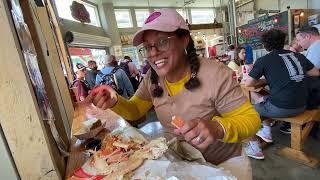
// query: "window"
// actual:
[[63, 8], [141, 16], [202, 16], [123, 17], [83, 55], [182, 13]]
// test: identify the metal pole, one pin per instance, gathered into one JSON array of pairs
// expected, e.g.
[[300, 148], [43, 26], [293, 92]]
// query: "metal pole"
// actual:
[[290, 27], [223, 24], [230, 28], [234, 22]]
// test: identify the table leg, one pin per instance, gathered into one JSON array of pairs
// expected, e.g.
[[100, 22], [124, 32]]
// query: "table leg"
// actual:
[[296, 136]]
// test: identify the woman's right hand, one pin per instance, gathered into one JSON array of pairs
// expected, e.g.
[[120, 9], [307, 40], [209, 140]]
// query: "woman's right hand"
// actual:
[[103, 97]]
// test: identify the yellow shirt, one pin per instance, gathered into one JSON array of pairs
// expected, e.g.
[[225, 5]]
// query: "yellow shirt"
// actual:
[[176, 87], [238, 124], [232, 65]]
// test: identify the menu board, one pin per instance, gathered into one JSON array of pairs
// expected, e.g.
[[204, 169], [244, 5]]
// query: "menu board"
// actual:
[[251, 33]]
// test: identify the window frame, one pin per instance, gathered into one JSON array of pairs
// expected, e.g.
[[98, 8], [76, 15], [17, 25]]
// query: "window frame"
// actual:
[[184, 12], [202, 9], [130, 17], [135, 12], [95, 7], [87, 4]]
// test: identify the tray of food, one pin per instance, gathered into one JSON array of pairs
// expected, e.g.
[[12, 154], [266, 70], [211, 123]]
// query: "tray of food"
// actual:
[[125, 153]]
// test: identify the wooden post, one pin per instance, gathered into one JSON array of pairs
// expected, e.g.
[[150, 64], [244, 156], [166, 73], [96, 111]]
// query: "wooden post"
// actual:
[[60, 41], [51, 85], [32, 148], [51, 67]]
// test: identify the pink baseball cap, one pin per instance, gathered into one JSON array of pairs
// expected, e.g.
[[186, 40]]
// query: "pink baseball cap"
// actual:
[[165, 20]]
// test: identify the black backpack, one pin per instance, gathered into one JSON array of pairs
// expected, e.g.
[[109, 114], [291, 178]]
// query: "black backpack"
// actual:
[[111, 80], [125, 67]]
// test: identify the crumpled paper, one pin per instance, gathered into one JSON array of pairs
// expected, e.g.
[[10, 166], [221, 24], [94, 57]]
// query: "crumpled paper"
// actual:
[[166, 170]]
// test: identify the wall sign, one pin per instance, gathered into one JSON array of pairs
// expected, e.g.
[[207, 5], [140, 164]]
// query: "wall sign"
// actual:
[[251, 33]]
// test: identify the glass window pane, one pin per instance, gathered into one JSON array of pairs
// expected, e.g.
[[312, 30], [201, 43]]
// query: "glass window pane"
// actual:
[[141, 16], [182, 13], [63, 8], [123, 18], [93, 15], [83, 55], [202, 16]]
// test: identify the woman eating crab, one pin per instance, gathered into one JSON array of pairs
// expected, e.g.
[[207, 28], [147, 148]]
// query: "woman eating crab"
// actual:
[[214, 114]]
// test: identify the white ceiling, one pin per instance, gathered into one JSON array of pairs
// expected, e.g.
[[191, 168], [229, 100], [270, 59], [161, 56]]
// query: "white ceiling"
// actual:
[[162, 3]]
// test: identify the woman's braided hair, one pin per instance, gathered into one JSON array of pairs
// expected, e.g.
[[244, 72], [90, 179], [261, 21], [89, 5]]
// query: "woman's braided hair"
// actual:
[[192, 59]]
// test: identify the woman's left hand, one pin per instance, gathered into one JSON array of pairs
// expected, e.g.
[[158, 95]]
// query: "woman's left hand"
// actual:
[[201, 133]]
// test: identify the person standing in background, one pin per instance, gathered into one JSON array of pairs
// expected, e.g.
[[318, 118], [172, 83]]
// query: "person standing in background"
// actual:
[[91, 74], [80, 84], [122, 80], [230, 55], [131, 70], [145, 67], [132, 67]]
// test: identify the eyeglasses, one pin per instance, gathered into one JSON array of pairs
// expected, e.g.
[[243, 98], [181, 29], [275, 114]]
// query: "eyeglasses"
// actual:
[[162, 45]]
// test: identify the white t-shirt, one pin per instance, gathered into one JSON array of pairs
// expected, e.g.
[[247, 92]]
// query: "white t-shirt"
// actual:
[[231, 53], [313, 54]]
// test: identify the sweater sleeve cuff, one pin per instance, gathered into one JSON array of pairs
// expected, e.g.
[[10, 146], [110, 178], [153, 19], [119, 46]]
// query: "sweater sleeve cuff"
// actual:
[[218, 119], [120, 104]]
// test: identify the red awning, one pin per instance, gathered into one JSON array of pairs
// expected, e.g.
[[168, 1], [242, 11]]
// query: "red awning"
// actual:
[[80, 52]]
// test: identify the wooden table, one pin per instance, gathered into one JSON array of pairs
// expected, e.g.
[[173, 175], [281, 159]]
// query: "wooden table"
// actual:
[[82, 112], [248, 89]]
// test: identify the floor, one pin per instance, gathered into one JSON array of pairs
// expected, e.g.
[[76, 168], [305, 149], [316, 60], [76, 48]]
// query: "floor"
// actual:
[[274, 167]]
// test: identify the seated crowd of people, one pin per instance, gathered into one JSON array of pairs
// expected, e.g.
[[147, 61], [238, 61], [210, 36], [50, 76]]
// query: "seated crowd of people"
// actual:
[[291, 74], [122, 75]]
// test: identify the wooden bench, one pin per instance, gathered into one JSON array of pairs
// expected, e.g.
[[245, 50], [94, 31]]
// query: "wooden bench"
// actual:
[[299, 135]]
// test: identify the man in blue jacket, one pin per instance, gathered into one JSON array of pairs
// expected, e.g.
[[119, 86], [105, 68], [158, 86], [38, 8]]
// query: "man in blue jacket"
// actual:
[[116, 76]]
